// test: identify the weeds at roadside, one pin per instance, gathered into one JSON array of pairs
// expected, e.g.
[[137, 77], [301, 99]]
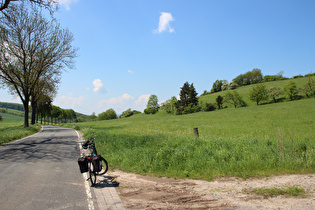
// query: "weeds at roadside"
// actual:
[[295, 191]]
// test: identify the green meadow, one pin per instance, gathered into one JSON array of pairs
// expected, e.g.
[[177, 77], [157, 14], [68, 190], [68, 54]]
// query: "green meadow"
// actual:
[[262, 140], [11, 127]]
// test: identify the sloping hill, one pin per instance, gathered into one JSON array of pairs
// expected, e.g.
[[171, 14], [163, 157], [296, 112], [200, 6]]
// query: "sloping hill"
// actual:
[[244, 91]]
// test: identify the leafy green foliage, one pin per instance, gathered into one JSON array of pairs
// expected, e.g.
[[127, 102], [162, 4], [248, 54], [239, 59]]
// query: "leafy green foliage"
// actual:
[[309, 87], [188, 99], [219, 85], [251, 77], [258, 93], [291, 91], [12, 106], [126, 113], [170, 105], [152, 105], [234, 98], [274, 92], [219, 101], [107, 115], [207, 107]]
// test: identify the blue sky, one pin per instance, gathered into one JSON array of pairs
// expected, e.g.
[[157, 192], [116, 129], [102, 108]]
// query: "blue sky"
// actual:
[[131, 49]]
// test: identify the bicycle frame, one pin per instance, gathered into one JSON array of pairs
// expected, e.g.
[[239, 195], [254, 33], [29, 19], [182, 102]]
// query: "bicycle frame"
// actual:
[[103, 163]]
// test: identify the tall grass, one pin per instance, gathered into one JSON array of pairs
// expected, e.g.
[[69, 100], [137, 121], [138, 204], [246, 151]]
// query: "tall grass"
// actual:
[[11, 128], [252, 141]]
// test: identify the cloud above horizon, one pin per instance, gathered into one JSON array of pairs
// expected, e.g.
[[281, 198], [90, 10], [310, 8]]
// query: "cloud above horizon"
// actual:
[[66, 3], [97, 85], [164, 23], [124, 102], [69, 101]]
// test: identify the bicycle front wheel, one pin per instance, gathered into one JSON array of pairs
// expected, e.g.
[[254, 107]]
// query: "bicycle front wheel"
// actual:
[[104, 166], [92, 174]]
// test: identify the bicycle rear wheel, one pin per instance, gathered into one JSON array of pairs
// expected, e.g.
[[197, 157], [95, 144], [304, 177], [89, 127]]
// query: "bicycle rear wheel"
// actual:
[[104, 167], [92, 174]]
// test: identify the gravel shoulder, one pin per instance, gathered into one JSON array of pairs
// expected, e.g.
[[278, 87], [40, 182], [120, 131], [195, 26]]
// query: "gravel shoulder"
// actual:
[[145, 192]]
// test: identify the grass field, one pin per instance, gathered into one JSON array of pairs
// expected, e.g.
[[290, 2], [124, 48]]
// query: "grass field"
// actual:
[[11, 128], [244, 91], [251, 141]]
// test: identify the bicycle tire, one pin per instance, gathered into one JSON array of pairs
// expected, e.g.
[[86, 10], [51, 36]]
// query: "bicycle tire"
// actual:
[[104, 166], [92, 174]]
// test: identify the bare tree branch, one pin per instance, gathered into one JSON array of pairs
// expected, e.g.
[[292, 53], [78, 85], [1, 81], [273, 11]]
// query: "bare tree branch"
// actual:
[[33, 50]]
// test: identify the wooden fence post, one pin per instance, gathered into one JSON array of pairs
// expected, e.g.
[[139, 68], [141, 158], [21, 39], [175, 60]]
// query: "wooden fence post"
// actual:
[[196, 132]]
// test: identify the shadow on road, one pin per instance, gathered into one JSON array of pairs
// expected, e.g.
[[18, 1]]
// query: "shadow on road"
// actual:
[[42, 147], [106, 181]]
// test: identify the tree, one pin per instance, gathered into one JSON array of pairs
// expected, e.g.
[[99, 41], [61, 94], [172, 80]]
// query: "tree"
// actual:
[[309, 87], [170, 105], [291, 91], [250, 77], [234, 98], [56, 113], [216, 86], [126, 113], [45, 88], [107, 115], [48, 4], [93, 116], [31, 49], [188, 98], [70, 115], [256, 76], [152, 105], [258, 93], [274, 92], [44, 106], [219, 101]]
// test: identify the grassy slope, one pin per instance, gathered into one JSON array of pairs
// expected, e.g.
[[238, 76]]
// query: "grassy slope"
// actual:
[[244, 91], [251, 141], [11, 128]]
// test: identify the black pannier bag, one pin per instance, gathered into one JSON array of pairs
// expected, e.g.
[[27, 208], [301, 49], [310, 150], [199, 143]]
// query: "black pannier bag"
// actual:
[[97, 163], [83, 164]]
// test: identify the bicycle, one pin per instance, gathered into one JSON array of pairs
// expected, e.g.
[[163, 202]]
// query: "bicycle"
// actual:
[[94, 164]]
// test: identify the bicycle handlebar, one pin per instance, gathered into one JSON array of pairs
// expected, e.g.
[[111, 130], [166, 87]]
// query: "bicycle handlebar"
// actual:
[[88, 143]]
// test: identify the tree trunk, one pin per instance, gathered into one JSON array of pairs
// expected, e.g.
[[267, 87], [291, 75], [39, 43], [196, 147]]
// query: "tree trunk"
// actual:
[[26, 123], [33, 114]]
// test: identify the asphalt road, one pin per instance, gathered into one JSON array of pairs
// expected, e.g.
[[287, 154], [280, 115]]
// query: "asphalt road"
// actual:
[[41, 172]]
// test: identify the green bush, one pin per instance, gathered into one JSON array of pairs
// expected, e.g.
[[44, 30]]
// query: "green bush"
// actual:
[[291, 91]]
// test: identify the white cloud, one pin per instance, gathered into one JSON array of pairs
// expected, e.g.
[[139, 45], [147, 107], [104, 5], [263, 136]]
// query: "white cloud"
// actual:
[[121, 99], [124, 102], [97, 85], [66, 3], [142, 100], [69, 101], [130, 71], [164, 23]]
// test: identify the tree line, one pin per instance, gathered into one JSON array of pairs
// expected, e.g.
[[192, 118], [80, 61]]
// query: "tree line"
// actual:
[[249, 78], [33, 53], [188, 101]]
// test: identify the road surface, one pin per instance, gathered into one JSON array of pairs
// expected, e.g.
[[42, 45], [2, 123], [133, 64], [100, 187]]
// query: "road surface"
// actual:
[[41, 172]]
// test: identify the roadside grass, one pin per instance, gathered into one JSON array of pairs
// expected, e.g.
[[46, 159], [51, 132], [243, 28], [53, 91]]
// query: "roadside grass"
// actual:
[[245, 142], [11, 128], [273, 192]]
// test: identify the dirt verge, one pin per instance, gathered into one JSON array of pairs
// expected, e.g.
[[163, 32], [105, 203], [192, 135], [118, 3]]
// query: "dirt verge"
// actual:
[[144, 192]]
